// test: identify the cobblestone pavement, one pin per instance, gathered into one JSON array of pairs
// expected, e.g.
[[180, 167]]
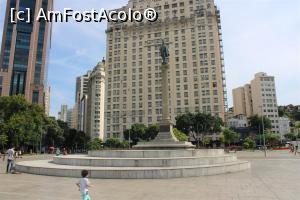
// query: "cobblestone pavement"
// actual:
[[274, 178]]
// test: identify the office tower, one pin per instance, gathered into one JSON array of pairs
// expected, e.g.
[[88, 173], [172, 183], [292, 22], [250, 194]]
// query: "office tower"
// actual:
[[192, 31], [258, 98], [95, 102], [80, 97], [24, 52], [62, 115]]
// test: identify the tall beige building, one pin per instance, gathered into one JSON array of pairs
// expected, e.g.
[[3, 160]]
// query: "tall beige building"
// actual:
[[95, 102], [258, 98], [192, 31]]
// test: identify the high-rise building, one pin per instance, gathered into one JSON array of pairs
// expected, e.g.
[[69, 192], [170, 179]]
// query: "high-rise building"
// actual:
[[95, 102], [24, 52], [62, 115], [80, 97], [192, 31], [258, 98], [74, 118], [69, 117]]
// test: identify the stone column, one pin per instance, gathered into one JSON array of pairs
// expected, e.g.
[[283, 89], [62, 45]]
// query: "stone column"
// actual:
[[165, 93], [165, 126]]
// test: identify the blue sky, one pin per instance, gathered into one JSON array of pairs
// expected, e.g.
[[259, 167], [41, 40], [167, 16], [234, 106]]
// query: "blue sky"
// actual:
[[258, 35]]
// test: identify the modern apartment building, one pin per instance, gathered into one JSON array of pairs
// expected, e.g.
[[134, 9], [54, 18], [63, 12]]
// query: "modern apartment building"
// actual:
[[258, 98], [95, 102], [192, 31], [24, 52]]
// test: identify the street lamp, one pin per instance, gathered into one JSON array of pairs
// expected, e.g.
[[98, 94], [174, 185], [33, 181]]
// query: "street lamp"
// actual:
[[129, 139], [263, 131]]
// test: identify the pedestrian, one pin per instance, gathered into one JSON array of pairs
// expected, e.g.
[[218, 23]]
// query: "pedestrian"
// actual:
[[292, 148], [296, 148], [10, 159], [83, 185], [57, 152]]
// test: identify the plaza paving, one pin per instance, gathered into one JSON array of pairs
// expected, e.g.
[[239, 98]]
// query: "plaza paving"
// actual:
[[277, 177]]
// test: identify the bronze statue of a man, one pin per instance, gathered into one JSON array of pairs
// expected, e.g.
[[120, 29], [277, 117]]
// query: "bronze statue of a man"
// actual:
[[164, 53]]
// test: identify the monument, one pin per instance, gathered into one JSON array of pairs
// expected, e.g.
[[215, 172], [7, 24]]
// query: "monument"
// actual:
[[165, 138], [164, 157]]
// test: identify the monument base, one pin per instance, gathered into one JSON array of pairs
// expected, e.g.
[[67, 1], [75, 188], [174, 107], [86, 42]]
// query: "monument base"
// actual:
[[165, 140]]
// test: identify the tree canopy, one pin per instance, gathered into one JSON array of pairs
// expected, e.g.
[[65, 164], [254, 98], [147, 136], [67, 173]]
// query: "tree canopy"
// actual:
[[25, 125], [256, 123], [230, 136], [199, 123]]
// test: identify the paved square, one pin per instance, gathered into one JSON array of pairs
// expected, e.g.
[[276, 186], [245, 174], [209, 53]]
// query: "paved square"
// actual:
[[276, 177]]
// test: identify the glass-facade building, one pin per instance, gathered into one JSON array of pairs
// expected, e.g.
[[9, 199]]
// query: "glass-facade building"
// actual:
[[24, 51]]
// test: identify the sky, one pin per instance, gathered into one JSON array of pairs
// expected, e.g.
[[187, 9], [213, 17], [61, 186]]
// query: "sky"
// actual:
[[258, 36]]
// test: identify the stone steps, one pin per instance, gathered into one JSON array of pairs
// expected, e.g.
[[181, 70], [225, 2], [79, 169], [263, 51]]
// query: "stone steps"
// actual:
[[138, 164], [155, 153], [46, 167], [142, 162]]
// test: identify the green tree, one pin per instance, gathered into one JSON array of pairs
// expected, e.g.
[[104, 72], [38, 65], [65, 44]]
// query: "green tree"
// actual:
[[95, 144], [22, 122], [256, 123], [54, 133], [137, 133], [3, 141], [221, 139], [249, 143], [230, 136], [11, 105], [272, 138], [206, 141], [124, 144], [151, 132], [184, 122], [200, 123], [113, 143], [180, 135], [290, 136]]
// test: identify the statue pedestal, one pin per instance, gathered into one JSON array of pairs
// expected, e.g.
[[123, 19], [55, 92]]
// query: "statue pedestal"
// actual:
[[165, 138]]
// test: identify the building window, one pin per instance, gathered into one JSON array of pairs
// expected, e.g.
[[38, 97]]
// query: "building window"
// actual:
[[35, 97]]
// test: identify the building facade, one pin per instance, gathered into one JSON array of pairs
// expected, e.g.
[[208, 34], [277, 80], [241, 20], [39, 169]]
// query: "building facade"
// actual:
[[62, 115], [47, 96], [69, 117], [284, 126], [239, 121], [192, 31], [258, 98], [95, 102], [74, 118], [80, 99], [24, 52]]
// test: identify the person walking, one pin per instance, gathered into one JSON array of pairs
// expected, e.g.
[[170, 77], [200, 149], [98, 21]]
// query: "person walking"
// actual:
[[10, 159], [296, 148], [83, 185]]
